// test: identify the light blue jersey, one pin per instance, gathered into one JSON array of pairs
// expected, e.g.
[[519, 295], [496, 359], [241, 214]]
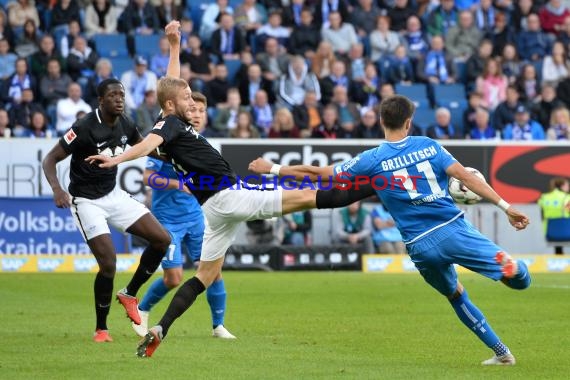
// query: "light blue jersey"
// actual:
[[409, 177]]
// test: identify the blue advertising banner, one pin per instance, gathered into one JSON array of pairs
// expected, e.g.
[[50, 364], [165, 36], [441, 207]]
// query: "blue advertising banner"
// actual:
[[36, 226]]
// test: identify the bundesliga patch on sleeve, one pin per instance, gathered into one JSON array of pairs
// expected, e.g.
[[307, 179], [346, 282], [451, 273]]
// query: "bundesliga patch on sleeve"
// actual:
[[69, 136], [158, 125]]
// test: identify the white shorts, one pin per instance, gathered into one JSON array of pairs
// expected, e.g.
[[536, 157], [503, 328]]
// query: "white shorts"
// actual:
[[227, 209], [117, 208]]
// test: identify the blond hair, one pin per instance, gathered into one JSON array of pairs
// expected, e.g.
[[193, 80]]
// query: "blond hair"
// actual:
[[278, 123], [553, 116], [168, 89]]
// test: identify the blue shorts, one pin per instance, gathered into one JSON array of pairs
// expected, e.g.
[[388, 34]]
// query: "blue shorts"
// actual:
[[191, 234], [456, 243]]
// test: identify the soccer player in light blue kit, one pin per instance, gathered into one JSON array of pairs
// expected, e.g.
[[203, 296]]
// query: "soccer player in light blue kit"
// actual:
[[181, 215], [410, 176]]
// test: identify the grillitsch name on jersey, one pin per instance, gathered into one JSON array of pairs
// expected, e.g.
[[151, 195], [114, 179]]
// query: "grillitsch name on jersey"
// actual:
[[408, 158]]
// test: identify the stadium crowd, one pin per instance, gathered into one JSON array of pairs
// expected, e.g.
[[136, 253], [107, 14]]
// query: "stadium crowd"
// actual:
[[476, 69]]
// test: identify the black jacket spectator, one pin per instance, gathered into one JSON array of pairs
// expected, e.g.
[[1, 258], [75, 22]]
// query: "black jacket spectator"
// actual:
[[216, 91], [264, 85], [342, 8], [303, 39], [176, 12], [399, 17], [130, 20], [238, 44], [81, 64], [542, 110], [62, 14], [504, 114], [563, 92]]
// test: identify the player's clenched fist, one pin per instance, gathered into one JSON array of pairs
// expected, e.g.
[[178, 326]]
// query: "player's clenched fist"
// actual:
[[260, 166], [61, 198], [172, 31]]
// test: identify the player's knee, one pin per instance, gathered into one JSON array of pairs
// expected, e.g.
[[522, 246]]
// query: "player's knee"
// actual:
[[161, 241], [107, 267], [172, 282]]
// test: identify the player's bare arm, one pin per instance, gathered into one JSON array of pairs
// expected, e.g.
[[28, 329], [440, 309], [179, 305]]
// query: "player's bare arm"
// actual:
[[300, 172], [172, 32], [481, 188], [144, 148], [60, 196]]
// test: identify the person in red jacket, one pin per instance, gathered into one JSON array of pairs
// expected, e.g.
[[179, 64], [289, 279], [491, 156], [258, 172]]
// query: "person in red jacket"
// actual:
[[552, 16]]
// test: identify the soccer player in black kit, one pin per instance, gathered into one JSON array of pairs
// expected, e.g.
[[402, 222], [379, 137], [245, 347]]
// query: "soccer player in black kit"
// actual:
[[97, 200]]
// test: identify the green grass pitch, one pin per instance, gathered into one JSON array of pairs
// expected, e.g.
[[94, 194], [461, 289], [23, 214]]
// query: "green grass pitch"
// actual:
[[300, 325]]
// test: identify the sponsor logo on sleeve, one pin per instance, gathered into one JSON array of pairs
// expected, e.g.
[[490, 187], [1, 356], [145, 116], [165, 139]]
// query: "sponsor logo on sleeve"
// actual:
[[69, 136], [159, 125]]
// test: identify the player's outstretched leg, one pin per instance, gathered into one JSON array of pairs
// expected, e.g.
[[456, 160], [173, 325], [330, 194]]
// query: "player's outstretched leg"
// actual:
[[474, 319], [153, 295], [515, 272], [216, 295]]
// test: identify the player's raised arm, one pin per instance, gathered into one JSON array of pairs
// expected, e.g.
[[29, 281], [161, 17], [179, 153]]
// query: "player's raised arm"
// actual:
[[172, 31], [300, 172], [482, 188], [149, 144]]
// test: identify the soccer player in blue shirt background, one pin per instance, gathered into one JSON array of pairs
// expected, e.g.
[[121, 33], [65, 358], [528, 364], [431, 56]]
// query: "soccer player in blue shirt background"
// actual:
[[179, 212], [410, 176]]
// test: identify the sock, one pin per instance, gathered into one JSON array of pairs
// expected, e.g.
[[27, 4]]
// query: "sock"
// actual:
[[500, 349], [153, 295], [103, 288], [522, 278], [150, 260], [474, 319], [216, 295], [183, 299]]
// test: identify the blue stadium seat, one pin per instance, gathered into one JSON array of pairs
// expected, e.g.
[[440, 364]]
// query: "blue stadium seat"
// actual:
[[121, 64], [446, 93], [111, 45], [233, 66], [417, 92], [461, 72], [423, 118], [146, 45], [457, 118]]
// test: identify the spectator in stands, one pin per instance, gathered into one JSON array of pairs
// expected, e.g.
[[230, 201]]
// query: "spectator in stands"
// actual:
[[67, 108], [217, 89], [463, 39], [383, 41], [324, 8], [244, 127], [475, 65], [66, 41], [401, 70], [552, 16], [475, 101], [399, 14], [17, 83], [186, 31], [5, 127], [505, 112], [559, 125], [62, 14], [348, 112], [353, 226], [510, 63], [273, 61], [385, 234], [386, 90], [364, 17], [250, 16], [415, 39], [7, 60], [283, 125], [305, 37], [501, 35], [307, 116], [555, 66], [292, 11], [437, 67], [528, 84], [443, 129], [323, 60], [159, 60], [330, 128], [254, 82], [5, 29], [264, 231], [38, 127], [28, 42], [523, 9], [298, 225], [147, 113], [81, 61], [262, 112], [101, 17], [39, 60], [297, 81], [492, 84], [482, 129], [226, 119], [523, 128], [442, 18], [209, 22], [103, 70], [548, 103], [137, 82], [357, 63], [367, 92], [273, 29], [139, 18], [201, 65], [21, 11], [167, 11], [21, 113], [369, 127], [563, 92], [337, 77], [533, 44], [341, 35], [484, 13], [54, 87], [555, 204], [564, 34], [228, 41]]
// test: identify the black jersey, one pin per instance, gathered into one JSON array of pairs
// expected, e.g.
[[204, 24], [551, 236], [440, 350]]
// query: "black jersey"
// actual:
[[89, 136], [200, 165]]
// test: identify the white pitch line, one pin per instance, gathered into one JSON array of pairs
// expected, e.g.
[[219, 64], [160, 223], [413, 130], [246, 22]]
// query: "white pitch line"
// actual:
[[551, 286]]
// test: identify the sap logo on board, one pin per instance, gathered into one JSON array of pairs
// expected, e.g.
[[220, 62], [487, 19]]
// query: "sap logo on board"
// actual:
[[49, 264], [84, 265], [124, 265], [378, 264], [557, 265], [13, 264]]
